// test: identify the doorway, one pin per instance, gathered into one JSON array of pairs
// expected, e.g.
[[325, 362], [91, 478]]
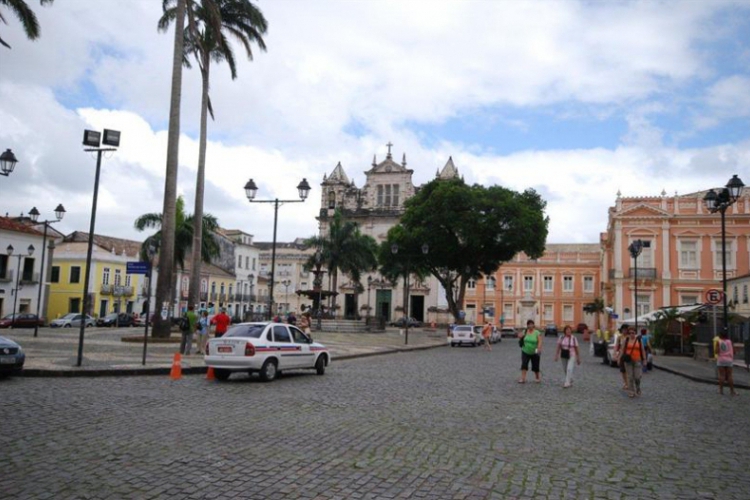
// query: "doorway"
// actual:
[[416, 307], [103, 308], [383, 304], [350, 306]]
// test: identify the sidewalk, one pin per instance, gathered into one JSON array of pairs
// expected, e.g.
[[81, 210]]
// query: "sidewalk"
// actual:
[[54, 352], [701, 371]]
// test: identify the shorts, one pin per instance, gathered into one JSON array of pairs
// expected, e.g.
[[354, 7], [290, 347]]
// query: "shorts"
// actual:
[[724, 363], [534, 358]]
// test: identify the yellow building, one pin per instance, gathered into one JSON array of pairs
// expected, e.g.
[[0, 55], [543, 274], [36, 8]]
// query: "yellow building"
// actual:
[[110, 289]]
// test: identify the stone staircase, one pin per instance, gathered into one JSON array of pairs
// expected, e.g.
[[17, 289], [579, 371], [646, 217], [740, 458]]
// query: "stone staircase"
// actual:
[[345, 326]]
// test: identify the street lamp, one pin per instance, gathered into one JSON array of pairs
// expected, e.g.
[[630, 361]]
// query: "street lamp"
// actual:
[[34, 214], [635, 249], [151, 252], [92, 139], [7, 162], [250, 191], [394, 251], [719, 202], [18, 277], [369, 286]]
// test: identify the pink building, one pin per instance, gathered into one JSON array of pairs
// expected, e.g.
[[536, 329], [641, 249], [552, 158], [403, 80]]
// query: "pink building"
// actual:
[[681, 258]]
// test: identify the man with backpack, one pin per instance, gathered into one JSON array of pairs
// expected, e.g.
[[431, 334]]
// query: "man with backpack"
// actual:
[[188, 324]]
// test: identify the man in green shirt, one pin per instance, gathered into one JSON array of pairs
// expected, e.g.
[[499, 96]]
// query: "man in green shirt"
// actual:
[[186, 343], [531, 350]]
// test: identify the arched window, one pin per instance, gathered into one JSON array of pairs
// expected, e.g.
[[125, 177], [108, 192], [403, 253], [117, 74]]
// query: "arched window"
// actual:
[[491, 283]]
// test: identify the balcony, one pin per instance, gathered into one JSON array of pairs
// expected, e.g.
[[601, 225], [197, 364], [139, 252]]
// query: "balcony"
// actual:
[[645, 273], [106, 289], [27, 278]]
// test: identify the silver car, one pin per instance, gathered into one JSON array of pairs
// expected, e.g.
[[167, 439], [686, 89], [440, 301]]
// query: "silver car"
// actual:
[[72, 320]]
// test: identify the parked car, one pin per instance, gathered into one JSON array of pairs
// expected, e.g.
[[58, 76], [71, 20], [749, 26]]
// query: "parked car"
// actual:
[[11, 357], [117, 320], [508, 331], [265, 348], [550, 330], [20, 320], [71, 320], [494, 334], [463, 334], [400, 322]]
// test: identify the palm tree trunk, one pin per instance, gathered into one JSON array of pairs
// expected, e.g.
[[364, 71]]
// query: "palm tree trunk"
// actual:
[[195, 262], [164, 285]]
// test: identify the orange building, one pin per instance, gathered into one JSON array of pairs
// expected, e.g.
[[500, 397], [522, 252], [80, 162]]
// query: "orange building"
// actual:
[[682, 259], [550, 290]]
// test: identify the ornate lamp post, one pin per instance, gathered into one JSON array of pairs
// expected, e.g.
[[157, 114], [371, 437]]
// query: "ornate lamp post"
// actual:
[[250, 191], [34, 214], [719, 202], [394, 251], [286, 284], [250, 280], [7, 163], [30, 251], [369, 287], [635, 249]]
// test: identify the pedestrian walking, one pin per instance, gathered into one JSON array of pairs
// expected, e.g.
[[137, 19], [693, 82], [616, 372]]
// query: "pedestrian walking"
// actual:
[[202, 332], [568, 352], [531, 350], [646, 339], [632, 357], [725, 362], [187, 331], [222, 322], [486, 335], [619, 341]]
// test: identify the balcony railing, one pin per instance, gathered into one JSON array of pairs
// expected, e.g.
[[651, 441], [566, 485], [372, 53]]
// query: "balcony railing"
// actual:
[[30, 278], [106, 289], [117, 290], [643, 273]]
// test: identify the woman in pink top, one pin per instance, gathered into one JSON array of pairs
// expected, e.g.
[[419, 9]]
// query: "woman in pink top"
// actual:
[[724, 362], [567, 350]]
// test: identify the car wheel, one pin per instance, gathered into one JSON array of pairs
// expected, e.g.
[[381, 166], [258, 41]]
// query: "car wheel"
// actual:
[[268, 371], [453, 344], [221, 374], [320, 365], [66, 326]]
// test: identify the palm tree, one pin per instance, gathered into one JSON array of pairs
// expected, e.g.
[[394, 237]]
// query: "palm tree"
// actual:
[[26, 15], [183, 237], [206, 39], [167, 247], [344, 249], [596, 307]]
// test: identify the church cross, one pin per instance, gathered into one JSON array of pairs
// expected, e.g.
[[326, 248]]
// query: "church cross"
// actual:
[[389, 149]]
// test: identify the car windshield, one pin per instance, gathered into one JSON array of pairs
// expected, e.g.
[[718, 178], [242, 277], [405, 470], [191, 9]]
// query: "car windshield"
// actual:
[[111, 316], [462, 328], [9, 316], [69, 316], [253, 331]]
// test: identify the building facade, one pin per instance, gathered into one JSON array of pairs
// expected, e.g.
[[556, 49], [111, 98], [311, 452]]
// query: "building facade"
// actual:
[[682, 256], [20, 267]]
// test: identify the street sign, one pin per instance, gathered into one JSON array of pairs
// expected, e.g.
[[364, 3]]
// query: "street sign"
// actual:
[[137, 268], [714, 296]]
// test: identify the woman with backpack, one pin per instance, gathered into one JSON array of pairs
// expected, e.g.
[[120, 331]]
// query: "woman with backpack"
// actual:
[[632, 356]]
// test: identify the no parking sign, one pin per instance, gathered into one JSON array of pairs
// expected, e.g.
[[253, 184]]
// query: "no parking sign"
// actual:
[[714, 296]]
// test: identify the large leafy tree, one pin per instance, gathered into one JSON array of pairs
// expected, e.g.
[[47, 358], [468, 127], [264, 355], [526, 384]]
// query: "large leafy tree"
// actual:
[[165, 280], [470, 231], [25, 15], [344, 249], [183, 237], [211, 22]]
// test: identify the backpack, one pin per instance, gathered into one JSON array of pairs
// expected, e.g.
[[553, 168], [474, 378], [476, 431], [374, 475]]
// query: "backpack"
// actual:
[[184, 324]]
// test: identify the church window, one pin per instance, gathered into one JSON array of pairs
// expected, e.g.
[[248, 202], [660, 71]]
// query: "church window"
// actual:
[[388, 195], [331, 200], [380, 196], [394, 199]]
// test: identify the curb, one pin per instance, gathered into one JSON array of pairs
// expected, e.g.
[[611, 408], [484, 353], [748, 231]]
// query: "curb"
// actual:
[[701, 380], [193, 370]]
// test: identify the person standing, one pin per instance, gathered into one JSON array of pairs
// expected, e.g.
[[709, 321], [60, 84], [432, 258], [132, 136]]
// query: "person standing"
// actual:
[[291, 318], [202, 331], [531, 350], [305, 322], [567, 351], [486, 335], [222, 322], [619, 341], [186, 342], [725, 362], [646, 339], [632, 358]]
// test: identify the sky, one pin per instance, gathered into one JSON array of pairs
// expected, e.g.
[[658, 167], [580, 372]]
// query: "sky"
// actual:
[[578, 100]]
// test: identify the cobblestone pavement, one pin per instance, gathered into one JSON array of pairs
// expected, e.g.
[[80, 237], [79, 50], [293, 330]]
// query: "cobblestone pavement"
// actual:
[[436, 424]]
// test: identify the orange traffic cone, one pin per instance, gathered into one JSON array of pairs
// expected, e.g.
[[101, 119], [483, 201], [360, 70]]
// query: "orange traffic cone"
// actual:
[[176, 372], [210, 373]]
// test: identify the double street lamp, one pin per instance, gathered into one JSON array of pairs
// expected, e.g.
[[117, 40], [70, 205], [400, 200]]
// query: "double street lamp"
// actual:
[[250, 191], [635, 249], [9, 250], [7, 163], [394, 251], [719, 202], [44, 278]]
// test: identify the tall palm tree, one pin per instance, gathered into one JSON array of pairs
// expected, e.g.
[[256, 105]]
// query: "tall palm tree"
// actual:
[[344, 249], [25, 14], [167, 243], [183, 237], [206, 39]]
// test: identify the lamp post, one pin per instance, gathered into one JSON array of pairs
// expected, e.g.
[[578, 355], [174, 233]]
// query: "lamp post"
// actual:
[[34, 214], [250, 191], [92, 139], [250, 278], [30, 251], [7, 163], [394, 251], [151, 253], [635, 249], [369, 287], [719, 202]]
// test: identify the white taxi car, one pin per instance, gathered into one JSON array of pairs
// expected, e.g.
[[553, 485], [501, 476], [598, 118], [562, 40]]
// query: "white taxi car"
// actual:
[[265, 348]]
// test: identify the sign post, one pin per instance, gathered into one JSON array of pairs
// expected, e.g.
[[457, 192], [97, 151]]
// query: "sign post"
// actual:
[[145, 269], [714, 296]]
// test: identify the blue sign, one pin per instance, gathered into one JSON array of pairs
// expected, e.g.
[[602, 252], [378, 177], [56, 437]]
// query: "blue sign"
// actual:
[[137, 268]]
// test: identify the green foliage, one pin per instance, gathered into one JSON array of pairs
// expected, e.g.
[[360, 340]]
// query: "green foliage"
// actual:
[[470, 231], [595, 307], [660, 326], [27, 17]]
